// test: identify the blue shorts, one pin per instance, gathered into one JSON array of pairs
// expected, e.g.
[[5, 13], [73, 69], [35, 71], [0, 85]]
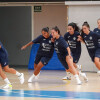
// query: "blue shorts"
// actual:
[[63, 61], [4, 61], [42, 59], [97, 54], [75, 58]]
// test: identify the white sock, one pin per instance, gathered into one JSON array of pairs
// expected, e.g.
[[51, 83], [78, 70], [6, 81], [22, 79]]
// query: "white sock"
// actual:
[[7, 81], [18, 74], [32, 76], [68, 74], [98, 71], [77, 77], [82, 74]]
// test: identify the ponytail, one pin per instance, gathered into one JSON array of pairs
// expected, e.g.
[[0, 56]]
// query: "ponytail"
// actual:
[[74, 26], [56, 29], [46, 29]]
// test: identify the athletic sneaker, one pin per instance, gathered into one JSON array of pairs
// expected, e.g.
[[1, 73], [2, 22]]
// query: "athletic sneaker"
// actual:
[[79, 67], [84, 76], [37, 77], [7, 86], [30, 80], [98, 72], [66, 78], [79, 82], [21, 78]]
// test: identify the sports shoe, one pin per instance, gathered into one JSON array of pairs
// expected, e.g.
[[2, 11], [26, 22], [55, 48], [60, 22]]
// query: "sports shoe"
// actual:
[[7, 86], [79, 82], [37, 77], [66, 78], [79, 67], [84, 76], [98, 72], [21, 78], [30, 80]]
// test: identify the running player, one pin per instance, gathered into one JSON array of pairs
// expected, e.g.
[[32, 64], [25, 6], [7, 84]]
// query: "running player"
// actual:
[[4, 65], [72, 39], [45, 51], [91, 41], [97, 30], [64, 53]]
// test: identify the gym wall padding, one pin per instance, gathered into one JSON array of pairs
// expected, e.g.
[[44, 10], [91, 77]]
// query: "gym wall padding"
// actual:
[[54, 63], [15, 31]]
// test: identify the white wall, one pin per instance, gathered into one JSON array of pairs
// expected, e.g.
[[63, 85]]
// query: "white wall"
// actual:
[[79, 14]]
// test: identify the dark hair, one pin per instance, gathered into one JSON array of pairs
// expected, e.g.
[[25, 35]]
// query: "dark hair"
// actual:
[[56, 29], [46, 29], [86, 24], [74, 26]]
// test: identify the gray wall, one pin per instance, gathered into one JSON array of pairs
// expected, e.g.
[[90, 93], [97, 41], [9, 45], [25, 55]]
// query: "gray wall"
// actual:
[[79, 14], [15, 31]]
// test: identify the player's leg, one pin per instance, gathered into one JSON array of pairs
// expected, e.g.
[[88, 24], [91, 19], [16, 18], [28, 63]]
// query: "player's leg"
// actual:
[[97, 63], [44, 61], [36, 71], [97, 60], [37, 60], [13, 71], [75, 60], [4, 77], [72, 69], [36, 77]]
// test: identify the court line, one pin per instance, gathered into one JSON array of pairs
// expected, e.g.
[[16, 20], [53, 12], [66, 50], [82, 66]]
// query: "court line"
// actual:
[[50, 87], [52, 94]]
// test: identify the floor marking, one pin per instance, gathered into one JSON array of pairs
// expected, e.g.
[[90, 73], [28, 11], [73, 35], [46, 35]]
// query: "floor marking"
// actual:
[[51, 94]]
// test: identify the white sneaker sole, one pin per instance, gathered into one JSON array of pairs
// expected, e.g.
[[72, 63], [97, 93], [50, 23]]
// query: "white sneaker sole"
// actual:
[[21, 78], [7, 86]]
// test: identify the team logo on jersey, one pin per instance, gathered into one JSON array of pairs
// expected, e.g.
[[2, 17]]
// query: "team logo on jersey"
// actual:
[[69, 42], [85, 36], [90, 37], [56, 43], [68, 36], [49, 41], [74, 38], [5, 63], [97, 31], [43, 44]]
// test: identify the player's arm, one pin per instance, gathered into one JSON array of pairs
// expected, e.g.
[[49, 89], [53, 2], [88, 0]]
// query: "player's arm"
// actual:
[[25, 46], [0, 46], [69, 52], [36, 40], [80, 39]]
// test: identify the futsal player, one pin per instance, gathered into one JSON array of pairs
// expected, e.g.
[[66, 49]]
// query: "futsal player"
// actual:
[[64, 54], [72, 39], [91, 41], [97, 30], [4, 65], [45, 51]]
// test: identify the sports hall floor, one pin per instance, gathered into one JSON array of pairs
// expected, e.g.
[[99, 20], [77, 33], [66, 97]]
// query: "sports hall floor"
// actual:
[[50, 86]]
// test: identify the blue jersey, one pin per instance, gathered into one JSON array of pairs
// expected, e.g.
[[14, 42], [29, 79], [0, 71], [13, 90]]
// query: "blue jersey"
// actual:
[[97, 31], [91, 41], [46, 47], [60, 46], [3, 51], [74, 45]]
